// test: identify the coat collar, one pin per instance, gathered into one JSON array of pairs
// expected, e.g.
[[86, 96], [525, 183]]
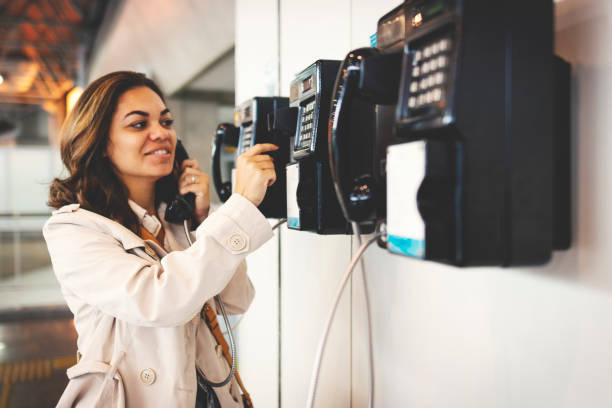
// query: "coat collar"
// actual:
[[128, 239], [150, 222]]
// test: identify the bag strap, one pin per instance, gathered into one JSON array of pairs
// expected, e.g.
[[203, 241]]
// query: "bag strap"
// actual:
[[210, 316], [146, 235]]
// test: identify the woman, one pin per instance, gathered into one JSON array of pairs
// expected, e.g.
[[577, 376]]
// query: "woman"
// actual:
[[135, 286]]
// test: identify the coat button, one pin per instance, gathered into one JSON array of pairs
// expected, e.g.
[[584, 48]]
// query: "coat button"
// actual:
[[237, 242], [148, 376]]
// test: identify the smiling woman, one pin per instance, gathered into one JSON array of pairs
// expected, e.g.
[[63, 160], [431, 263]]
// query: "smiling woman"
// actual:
[[91, 134], [141, 143], [143, 298]]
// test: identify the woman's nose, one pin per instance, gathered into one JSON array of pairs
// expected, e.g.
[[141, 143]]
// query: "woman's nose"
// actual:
[[158, 132]]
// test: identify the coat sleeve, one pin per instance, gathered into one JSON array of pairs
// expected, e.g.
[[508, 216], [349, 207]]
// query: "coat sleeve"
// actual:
[[95, 266], [239, 292]]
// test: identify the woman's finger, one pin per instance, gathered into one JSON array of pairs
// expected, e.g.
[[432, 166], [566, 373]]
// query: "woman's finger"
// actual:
[[191, 176], [190, 163], [260, 148], [196, 189], [262, 157], [265, 165]]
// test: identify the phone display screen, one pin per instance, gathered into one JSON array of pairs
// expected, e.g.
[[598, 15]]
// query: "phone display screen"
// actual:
[[307, 84]]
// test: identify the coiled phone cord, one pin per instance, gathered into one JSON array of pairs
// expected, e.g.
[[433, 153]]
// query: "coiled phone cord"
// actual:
[[319, 357], [227, 324]]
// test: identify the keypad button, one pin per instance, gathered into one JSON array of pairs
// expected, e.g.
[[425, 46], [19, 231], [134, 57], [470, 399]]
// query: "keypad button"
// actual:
[[427, 52], [435, 49], [437, 95], [414, 86], [418, 55], [425, 67], [428, 97], [444, 44], [433, 65], [442, 61], [423, 84], [416, 71], [412, 102], [421, 100], [439, 78], [430, 81]]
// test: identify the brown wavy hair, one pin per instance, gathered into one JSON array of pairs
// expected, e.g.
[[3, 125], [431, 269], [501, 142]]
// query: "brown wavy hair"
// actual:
[[92, 181]]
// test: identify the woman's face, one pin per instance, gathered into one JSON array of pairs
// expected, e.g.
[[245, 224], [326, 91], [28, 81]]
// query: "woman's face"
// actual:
[[141, 138]]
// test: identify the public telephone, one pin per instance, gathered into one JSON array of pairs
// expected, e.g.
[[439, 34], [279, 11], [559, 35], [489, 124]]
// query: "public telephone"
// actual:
[[223, 159], [251, 117], [370, 77], [311, 200], [478, 178]]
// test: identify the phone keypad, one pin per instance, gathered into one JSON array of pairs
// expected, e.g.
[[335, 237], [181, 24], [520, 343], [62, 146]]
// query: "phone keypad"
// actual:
[[246, 138], [307, 125], [430, 74]]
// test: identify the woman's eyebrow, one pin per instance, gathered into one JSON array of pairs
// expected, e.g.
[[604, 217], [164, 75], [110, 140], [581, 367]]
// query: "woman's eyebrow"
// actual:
[[136, 112], [164, 112]]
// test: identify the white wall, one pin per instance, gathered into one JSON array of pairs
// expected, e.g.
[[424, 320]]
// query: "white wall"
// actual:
[[24, 187], [256, 74], [474, 337], [170, 41]]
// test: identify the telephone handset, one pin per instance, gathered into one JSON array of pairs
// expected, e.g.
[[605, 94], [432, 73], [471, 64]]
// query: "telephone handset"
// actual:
[[226, 141], [181, 208], [358, 179]]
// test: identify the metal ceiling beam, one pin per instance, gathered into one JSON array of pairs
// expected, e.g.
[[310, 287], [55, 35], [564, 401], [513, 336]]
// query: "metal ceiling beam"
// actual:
[[40, 45], [77, 8], [28, 99], [17, 21]]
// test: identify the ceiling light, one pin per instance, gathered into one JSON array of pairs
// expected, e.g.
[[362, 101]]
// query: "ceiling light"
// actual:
[[72, 97]]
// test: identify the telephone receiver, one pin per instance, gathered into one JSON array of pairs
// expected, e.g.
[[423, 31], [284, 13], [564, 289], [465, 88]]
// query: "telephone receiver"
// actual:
[[181, 208], [227, 135], [365, 75]]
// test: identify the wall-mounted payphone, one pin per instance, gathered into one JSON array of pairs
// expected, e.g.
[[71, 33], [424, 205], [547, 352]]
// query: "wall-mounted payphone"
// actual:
[[367, 76], [223, 159], [251, 117], [311, 200], [483, 117]]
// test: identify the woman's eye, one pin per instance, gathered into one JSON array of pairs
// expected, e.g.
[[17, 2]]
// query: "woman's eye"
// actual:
[[139, 125], [167, 122]]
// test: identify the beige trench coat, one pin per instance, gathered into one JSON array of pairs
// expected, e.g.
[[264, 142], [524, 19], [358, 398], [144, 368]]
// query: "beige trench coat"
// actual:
[[137, 308]]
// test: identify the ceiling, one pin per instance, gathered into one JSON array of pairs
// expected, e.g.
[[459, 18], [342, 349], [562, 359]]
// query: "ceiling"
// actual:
[[44, 46]]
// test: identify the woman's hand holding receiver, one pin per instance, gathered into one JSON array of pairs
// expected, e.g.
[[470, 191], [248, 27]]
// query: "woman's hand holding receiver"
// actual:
[[255, 172], [194, 180]]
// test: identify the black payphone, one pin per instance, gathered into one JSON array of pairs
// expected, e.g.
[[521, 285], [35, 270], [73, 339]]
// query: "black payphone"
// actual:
[[476, 180], [251, 117], [357, 159], [223, 159], [311, 200]]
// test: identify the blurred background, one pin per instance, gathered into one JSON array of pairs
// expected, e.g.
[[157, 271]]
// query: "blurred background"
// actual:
[[49, 51]]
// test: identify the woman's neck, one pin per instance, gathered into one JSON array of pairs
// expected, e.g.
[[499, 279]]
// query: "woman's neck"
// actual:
[[142, 193]]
